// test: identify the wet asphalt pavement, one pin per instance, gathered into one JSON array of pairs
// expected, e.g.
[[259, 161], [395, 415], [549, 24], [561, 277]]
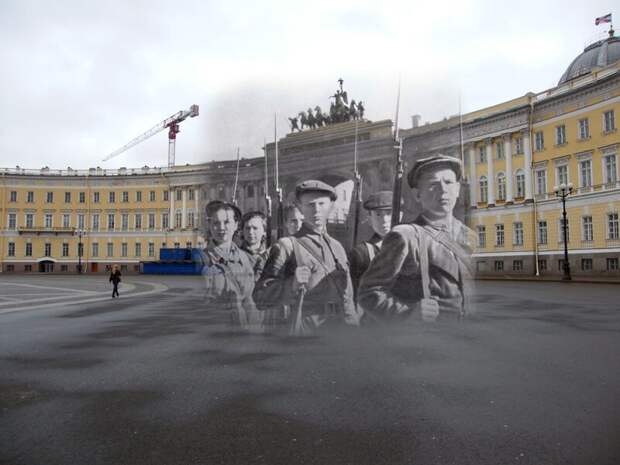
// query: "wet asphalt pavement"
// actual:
[[532, 378]]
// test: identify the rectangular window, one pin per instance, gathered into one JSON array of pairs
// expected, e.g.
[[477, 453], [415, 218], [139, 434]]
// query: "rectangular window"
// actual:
[[138, 221], [95, 249], [542, 232], [124, 221], [179, 195], [151, 220], [65, 249], [499, 150], [499, 235], [64, 267], [28, 251], [484, 189], [501, 187], [49, 220], [518, 233], [166, 196], [542, 264], [609, 121], [48, 249], [520, 181], [517, 265], [95, 222], [562, 174], [560, 135], [67, 197], [152, 196], [612, 264], [613, 232], [138, 249], [151, 249], [110, 249], [111, 197], [611, 173], [29, 220], [11, 251], [50, 197], [12, 220], [177, 219], [190, 220], [13, 197], [125, 197], [585, 168], [586, 230], [482, 154], [27, 267], [138, 196], [584, 129], [66, 220], [82, 197], [165, 221], [95, 197], [30, 197], [586, 264], [190, 194], [111, 221], [80, 224], [540, 141], [499, 265], [541, 182], [482, 237], [249, 191], [518, 145]]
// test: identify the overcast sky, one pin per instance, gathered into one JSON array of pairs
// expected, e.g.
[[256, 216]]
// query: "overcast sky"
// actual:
[[80, 79]]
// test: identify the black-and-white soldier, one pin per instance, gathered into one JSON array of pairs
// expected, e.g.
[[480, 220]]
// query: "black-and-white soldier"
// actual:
[[379, 208], [309, 271], [423, 267]]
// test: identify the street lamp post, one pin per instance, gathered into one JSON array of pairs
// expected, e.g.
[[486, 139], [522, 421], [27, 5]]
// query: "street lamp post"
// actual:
[[562, 191], [80, 247]]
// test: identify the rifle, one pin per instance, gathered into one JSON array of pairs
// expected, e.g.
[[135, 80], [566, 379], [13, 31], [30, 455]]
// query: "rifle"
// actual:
[[234, 196], [358, 191], [280, 215], [296, 328], [399, 171], [268, 212]]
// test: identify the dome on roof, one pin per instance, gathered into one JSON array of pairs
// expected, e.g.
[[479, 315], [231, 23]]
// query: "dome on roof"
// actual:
[[597, 55]]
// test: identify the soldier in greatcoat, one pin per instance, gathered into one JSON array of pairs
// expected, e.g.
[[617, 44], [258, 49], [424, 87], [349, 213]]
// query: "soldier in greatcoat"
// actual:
[[309, 271], [423, 268]]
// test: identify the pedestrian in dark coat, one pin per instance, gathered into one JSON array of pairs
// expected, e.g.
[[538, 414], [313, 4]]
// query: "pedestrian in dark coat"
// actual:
[[115, 278]]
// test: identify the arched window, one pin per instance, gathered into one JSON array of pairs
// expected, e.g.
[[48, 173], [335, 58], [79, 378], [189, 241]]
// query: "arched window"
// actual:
[[483, 189], [501, 186], [520, 183]]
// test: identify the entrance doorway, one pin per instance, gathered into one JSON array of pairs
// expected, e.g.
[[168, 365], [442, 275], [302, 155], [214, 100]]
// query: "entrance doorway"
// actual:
[[94, 268], [46, 266]]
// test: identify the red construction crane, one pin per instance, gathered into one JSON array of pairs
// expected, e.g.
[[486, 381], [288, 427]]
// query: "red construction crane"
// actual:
[[172, 123]]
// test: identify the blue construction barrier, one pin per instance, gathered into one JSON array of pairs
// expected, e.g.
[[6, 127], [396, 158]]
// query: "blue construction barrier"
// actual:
[[187, 261]]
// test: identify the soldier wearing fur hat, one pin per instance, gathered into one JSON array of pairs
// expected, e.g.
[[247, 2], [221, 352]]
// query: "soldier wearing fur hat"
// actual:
[[229, 272], [423, 268], [309, 271]]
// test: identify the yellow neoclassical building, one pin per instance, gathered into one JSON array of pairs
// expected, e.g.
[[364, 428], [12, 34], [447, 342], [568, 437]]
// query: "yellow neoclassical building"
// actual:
[[516, 153]]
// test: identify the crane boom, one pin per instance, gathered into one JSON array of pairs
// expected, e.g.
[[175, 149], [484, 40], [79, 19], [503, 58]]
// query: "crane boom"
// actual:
[[171, 122]]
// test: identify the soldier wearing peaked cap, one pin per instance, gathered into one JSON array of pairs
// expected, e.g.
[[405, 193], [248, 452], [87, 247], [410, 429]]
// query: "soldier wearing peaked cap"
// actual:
[[379, 208], [423, 268], [309, 271]]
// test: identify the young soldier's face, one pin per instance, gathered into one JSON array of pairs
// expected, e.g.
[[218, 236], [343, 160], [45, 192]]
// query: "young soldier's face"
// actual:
[[254, 231], [316, 207], [381, 221], [222, 226], [438, 192], [294, 221]]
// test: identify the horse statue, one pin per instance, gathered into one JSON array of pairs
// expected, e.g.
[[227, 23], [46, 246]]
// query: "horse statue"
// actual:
[[318, 117], [311, 119], [303, 120], [360, 109], [353, 113]]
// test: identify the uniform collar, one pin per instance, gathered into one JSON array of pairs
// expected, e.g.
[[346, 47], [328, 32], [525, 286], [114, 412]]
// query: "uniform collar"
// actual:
[[221, 254], [444, 224], [375, 239], [308, 231]]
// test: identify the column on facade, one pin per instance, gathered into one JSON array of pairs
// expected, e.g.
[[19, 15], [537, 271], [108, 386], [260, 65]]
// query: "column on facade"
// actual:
[[184, 208], [509, 174], [171, 215], [490, 173], [473, 179], [527, 164]]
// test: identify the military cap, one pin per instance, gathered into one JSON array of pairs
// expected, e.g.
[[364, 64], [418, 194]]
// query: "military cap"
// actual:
[[216, 205], [434, 162], [313, 185], [379, 200]]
